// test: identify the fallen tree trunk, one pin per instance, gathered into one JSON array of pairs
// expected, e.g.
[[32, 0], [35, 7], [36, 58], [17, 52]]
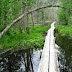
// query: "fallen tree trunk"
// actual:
[[23, 15]]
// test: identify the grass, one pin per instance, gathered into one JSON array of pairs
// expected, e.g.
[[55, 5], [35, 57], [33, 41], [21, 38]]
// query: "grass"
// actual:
[[13, 38]]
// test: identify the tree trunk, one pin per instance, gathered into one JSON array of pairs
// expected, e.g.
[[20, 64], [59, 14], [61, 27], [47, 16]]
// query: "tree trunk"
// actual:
[[43, 17], [23, 15], [32, 20]]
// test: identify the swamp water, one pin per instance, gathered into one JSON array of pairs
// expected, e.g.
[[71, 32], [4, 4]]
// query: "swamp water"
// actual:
[[65, 54], [21, 61], [28, 60]]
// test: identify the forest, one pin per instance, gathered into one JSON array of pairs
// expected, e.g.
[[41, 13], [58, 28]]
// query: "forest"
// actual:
[[23, 27]]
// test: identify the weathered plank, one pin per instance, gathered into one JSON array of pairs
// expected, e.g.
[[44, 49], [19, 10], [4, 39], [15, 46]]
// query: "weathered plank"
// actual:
[[48, 61], [52, 65]]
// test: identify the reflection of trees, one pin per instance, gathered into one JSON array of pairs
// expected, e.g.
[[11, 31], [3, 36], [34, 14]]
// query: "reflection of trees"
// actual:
[[14, 61], [12, 64], [9, 65], [65, 42], [28, 61]]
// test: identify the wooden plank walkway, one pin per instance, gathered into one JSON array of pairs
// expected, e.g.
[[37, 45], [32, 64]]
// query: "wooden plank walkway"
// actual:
[[49, 61]]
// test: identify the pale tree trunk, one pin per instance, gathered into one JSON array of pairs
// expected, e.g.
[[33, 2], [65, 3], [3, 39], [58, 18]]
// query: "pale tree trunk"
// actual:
[[21, 21], [25, 23], [25, 14], [32, 20], [27, 28], [20, 24], [37, 18], [43, 16]]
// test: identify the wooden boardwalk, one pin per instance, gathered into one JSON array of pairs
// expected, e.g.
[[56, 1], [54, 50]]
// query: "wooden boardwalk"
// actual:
[[49, 60]]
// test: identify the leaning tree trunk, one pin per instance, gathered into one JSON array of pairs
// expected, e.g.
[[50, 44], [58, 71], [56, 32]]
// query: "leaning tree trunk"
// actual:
[[25, 14]]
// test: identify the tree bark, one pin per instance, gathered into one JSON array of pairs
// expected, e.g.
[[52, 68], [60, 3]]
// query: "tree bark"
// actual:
[[32, 20]]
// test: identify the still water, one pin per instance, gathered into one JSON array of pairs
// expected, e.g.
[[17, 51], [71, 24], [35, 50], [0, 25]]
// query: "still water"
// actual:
[[21, 61], [28, 60]]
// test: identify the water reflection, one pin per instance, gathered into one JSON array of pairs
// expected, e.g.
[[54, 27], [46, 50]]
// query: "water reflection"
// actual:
[[65, 56], [21, 61]]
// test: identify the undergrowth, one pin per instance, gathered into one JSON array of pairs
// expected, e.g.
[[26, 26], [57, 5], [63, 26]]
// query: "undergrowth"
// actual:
[[13, 38], [64, 30], [64, 40]]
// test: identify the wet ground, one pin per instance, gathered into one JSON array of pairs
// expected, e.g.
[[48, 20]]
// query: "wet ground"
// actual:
[[21, 61]]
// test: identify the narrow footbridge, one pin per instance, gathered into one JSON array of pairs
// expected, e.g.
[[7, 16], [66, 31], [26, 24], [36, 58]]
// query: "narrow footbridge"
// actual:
[[49, 59]]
